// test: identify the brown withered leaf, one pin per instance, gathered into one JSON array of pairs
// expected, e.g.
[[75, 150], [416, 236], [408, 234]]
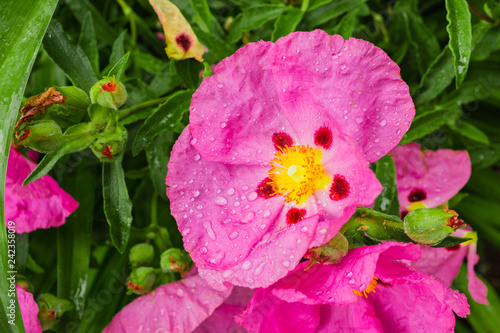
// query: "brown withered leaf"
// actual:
[[38, 104]]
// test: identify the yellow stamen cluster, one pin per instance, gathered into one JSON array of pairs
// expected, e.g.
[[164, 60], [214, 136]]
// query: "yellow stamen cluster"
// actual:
[[416, 205], [296, 173], [369, 289]]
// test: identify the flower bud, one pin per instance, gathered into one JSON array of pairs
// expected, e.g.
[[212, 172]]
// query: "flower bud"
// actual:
[[141, 255], [109, 146], [43, 136], [50, 310], [109, 93], [76, 101], [141, 280], [329, 253], [431, 226], [175, 260]]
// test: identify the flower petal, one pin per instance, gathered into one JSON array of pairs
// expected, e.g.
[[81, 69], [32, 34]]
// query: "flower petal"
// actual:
[[29, 311], [355, 317], [477, 288]]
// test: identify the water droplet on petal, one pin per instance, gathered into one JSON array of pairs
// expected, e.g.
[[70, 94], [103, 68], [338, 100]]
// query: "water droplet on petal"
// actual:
[[220, 201], [233, 235], [230, 191], [220, 85], [222, 125], [208, 227], [252, 196], [383, 122], [286, 263], [259, 269], [196, 193], [197, 157], [180, 292], [349, 274], [203, 250], [246, 265]]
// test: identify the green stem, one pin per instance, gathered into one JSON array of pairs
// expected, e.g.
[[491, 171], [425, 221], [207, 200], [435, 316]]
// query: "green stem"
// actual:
[[138, 107], [130, 14], [304, 6], [154, 210]]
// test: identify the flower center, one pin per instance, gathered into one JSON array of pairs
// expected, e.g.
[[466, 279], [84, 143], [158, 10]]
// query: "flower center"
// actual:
[[296, 173], [369, 289]]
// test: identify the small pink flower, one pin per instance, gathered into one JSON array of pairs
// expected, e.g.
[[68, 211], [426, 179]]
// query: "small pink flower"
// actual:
[[275, 158], [429, 179], [39, 205], [188, 305], [372, 289], [29, 311]]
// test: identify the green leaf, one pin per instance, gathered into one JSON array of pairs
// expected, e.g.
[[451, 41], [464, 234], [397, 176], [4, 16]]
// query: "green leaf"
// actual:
[[485, 156], [158, 155], [88, 42], [22, 26], [332, 9], [69, 57], [386, 174], [345, 28], [286, 23], [189, 71], [460, 31], [253, 18], [451, 241], [426, 123], [204, 19], [164, 82], [118, 50], [217, 48], [164, 118], [117, 204], [119, 68], [470, 131]]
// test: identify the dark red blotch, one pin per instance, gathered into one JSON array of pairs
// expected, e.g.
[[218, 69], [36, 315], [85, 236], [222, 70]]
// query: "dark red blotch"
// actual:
[[265, 189], [417, 195], [107, 152], [183, 41], [340, 188], [403, 214], [453, 248], [323, 137], [282, 140], [294, 215]]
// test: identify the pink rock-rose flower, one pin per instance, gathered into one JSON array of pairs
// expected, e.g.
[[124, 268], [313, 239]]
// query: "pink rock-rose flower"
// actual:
[[29, 311], [372, 289], [39, 205], [185, 306], [275, 158], [429, 179]]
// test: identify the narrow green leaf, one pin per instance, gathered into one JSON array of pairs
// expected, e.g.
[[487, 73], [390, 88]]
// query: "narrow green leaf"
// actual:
[[119, 68], [386, 174], [164, 118], [460, 32], [148, 62], [164, 82], [286, 23], [74, 241], [253, 18], [486, 179], [426, 123], [451, 241], [88, 42], [118, 50], [485, 156], [189, 71], [201, 9], [217, 48], [69, 57], [346, 26], [158, 155], [470, 131], [329, 11], [117, 204], [22, 26]]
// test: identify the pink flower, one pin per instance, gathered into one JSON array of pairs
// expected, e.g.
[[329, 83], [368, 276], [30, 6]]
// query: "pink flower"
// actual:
[[41, 204], [29, 311], [180, 307], [275, 158], [429, 179], [372, 289]]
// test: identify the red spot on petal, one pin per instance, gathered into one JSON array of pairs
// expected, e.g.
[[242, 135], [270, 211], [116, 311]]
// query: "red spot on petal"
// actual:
[[417, 195], [323, 137], [340, 188], [183, 41], [294, 215], [131, 285], [109, 86], [265, 189], [403, 214], [107, 152], [282, 140], [453, 248]]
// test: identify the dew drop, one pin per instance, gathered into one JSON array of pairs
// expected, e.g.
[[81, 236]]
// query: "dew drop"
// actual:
[[246, 265], [220, 201], [304, 229], [230, 191], [252, 196], [233, 235], [349, 274], [286, 263], [196, 193], [352, 281], [222, 125], [220, 85], [203, 250], [267, 213], [259, 269], [208, 227], [383, 122], [180, 292]]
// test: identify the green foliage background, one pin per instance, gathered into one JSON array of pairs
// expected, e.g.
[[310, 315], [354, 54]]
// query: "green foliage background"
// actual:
[[448, 52]]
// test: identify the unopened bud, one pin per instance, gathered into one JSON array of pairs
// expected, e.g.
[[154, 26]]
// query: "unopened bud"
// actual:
[[109, 93], [43, 136], [50, 310], [175, 260], [141, 255], [141, 280], [329, 253], [76, 101], [109, 146], [431, 226]]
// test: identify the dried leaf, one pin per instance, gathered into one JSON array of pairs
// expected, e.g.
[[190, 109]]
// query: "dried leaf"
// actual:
[[38, 104]]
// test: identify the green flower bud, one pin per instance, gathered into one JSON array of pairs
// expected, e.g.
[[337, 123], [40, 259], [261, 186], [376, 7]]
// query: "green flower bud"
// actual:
[[109, 93], [175, 260], [44, 136], [141, 280], [109, 146], [141, 255], [329, 253], [431, 226], [76, 101], [50, 310]]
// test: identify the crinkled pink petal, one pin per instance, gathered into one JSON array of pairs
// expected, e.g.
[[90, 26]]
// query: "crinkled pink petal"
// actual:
[[334, 284], [41, 204], [440, 174], [355, 317], [441, 263], [177, 307], [270, 260], [266, 314], [477, 288], [266, 88], [29, 311]]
